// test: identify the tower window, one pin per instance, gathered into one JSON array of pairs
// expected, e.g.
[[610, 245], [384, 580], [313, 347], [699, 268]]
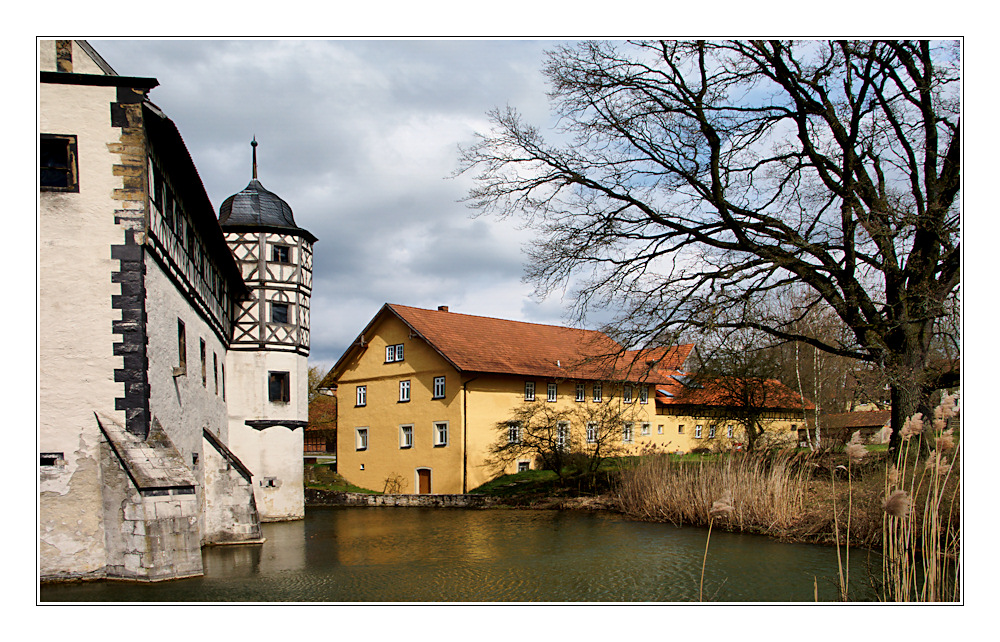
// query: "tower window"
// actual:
[[181, 368], [278, 387], [204, 365], [280, 254], [279, 313], [57, 157]]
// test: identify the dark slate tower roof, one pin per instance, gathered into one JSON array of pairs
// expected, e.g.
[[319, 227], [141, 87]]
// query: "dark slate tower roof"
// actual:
[[256, 207]]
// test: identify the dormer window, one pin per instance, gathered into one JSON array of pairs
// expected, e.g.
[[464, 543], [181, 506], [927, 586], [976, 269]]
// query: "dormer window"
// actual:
[[280, 254]]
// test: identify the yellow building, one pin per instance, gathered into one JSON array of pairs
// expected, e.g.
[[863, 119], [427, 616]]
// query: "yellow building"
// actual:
[[423, 394]]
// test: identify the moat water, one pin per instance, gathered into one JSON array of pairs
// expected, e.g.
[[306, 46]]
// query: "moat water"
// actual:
[[456, 555]]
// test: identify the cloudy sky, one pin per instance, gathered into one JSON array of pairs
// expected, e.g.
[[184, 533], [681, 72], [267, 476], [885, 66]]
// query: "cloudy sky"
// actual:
[[361, 138]]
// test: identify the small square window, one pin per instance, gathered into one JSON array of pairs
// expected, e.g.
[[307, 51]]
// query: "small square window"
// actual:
[[680, 429], [552, 392], [280, 254], [279, 313], [529, 390], [439, 387], [404, 391], [406, 436], [645, 429], [361, 439], [523, 466], [278, 387], [57, 157], [361, 398]]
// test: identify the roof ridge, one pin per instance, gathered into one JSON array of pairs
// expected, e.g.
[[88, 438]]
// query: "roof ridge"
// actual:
[[479, 316]]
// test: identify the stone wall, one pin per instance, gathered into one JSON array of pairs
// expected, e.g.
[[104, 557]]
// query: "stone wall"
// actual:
[[315, 497]]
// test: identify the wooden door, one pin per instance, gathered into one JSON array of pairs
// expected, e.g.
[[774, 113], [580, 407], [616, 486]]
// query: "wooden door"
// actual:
[[423, 481]]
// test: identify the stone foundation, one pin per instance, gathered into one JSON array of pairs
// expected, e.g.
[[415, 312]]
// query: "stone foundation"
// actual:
[[316, 497]]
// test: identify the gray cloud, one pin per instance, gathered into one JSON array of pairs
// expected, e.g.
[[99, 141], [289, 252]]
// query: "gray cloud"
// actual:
[[360, 138]]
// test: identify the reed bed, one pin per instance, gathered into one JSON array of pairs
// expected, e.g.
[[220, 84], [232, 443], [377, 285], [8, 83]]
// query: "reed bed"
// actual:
[[768, 492]]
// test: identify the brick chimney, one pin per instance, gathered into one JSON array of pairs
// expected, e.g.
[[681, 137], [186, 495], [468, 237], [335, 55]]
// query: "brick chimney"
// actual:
[[442, 308]]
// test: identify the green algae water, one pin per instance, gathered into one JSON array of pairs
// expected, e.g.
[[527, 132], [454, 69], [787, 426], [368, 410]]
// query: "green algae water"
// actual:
[[456, 555]]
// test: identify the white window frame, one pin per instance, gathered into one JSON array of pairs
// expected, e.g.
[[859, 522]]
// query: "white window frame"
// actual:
[[627, 429], [697, 431], [644, 429], [439, 387], [523, 466], [680, 429], [598, 393], [440, 434], [394, 353], [729, 431], [552, 392], [562, 435], [644, 394], [404, 391], [711, 431], [592, 430], [406, 436], [581, 392], [659, 429], [627, 393], [361, 398], [361, 439], [529, 390], [514, 432]]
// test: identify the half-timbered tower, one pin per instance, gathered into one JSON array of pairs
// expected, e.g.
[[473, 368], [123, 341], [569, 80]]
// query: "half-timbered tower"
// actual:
[[267, 360]]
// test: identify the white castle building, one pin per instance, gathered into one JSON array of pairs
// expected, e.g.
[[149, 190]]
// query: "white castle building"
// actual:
[[172, 375]]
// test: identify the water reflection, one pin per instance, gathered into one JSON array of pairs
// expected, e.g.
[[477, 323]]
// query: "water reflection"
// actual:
[[422, 555]]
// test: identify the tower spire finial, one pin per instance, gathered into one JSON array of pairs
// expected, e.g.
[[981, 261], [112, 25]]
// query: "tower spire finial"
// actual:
[[253, 144]]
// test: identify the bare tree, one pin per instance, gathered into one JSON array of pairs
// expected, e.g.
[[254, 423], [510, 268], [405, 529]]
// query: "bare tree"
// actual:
[[560, 439], [706, 176]]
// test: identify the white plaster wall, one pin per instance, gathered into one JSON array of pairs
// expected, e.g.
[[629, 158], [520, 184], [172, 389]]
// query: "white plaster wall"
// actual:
[[76, 362], [275, 451], [182, 404]]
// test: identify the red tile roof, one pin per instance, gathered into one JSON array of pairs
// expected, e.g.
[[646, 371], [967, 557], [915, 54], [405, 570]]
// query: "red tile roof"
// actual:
[[499, 346], [714, 392]]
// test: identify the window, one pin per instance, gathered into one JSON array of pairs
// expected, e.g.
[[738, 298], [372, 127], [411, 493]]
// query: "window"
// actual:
[[51, 459], [529, 390], [57, 156], [279, 254], [627, 394], [552, 392], [644, 394], [697, 431], [711, 431], [441, 433], [644, 429], [562, 435], [597, 392], [279, 313], [223, 381], [362, 396], [581, 392], [439, 387], [592, 429], [394, 353], [406, 436], [215, 371], [181, 368], [361, 438], [513, 433], [278, 388], [627, 433], [729, 431], [680, 429], [523, 466], [659, 429], [204, 365], [404, 391]]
